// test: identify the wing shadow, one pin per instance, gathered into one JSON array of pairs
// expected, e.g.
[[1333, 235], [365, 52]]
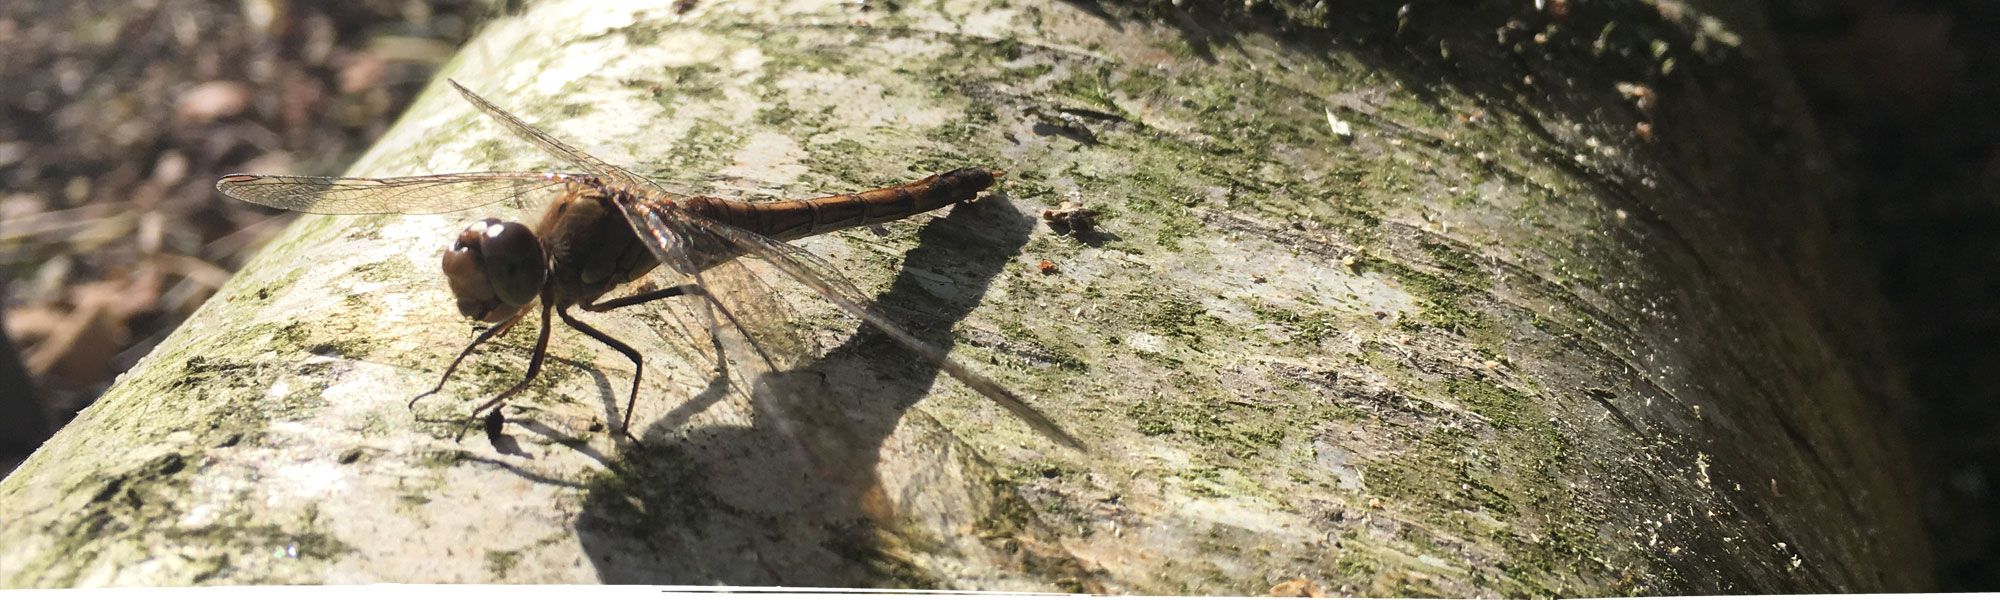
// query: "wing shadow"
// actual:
[[722, 506]]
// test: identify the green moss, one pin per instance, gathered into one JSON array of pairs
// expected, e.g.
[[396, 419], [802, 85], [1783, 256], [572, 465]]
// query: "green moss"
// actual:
[[1199, 411], [789, 53], [857, 542], [1427, 475], [697, 81], [1031, 72], [1354, 562], [394, 268], [1173, 316], [1089, 86], [1063, 355], [1500, 406], [440, 459], [844, 160], [1306, 330], [1441, 299], [1508, 463], [961, 133], [659, 489], [500, 562], [1009, 518], [492, 151], [1409, 110], [703, 149], [777, 113], [135, 505], [641, 34], [1172, 231], [1462, 265]]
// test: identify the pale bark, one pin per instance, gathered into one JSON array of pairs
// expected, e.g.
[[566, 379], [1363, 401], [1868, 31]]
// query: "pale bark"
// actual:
[[1493, 344]]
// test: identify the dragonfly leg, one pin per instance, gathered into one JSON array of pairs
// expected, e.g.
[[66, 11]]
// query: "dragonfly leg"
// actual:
[[638, 364], [685, 289], [482, 338], [534, 367], [641, 298]]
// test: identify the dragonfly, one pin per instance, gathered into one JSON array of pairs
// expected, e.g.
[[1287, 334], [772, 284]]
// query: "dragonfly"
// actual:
[[604, 227]]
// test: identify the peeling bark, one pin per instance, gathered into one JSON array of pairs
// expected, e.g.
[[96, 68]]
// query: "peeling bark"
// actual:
[[1494, 342]]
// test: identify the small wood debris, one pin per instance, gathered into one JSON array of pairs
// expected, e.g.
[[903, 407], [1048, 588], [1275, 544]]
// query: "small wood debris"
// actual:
[[1046, 266], [1341, 129], [1296, 588], [1071, 216]]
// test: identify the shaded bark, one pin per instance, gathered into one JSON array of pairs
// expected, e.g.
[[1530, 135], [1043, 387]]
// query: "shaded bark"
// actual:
[[1497, 340]]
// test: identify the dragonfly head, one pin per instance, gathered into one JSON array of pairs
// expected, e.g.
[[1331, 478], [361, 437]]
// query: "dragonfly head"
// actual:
[[495, 267]]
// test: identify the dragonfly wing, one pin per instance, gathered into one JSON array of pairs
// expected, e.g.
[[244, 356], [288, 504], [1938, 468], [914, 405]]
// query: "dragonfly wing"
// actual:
[[422, 194], [743, 326], [612, 174], [703, 236]]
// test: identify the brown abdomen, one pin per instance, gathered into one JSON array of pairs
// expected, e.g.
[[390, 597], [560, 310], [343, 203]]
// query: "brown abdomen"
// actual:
[[794, 219]]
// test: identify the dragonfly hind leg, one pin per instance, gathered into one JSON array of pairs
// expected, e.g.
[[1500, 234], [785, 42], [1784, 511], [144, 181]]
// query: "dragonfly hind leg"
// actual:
[[685, 289], [638, 362]]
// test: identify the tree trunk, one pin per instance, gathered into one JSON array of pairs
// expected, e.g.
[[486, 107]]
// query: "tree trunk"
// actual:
[[1440, 301]]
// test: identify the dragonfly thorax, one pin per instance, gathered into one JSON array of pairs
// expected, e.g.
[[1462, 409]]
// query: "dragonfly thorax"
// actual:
[[495, 268]]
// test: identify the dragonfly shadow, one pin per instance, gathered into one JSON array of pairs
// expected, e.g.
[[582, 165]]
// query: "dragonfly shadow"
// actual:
[[744, 505]]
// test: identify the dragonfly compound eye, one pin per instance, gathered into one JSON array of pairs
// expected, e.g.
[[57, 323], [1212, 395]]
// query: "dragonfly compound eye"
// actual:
[[495, 267]]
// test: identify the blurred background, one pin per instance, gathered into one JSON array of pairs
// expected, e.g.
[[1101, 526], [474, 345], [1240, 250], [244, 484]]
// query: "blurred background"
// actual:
[[116, 117]]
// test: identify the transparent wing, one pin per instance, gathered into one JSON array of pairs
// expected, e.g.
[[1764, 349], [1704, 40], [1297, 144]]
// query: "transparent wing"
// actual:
[[421, 194], [710, 365], [744, 323], [428, 194], [611, 174], [694, 242]]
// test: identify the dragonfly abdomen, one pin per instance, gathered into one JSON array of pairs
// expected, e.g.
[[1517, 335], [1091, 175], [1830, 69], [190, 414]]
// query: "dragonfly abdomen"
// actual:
[[794, 219]]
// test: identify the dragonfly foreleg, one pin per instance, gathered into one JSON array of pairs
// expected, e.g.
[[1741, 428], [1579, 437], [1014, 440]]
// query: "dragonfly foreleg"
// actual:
[[638, 363], [482, 338], [642, 298], [534, 367]]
